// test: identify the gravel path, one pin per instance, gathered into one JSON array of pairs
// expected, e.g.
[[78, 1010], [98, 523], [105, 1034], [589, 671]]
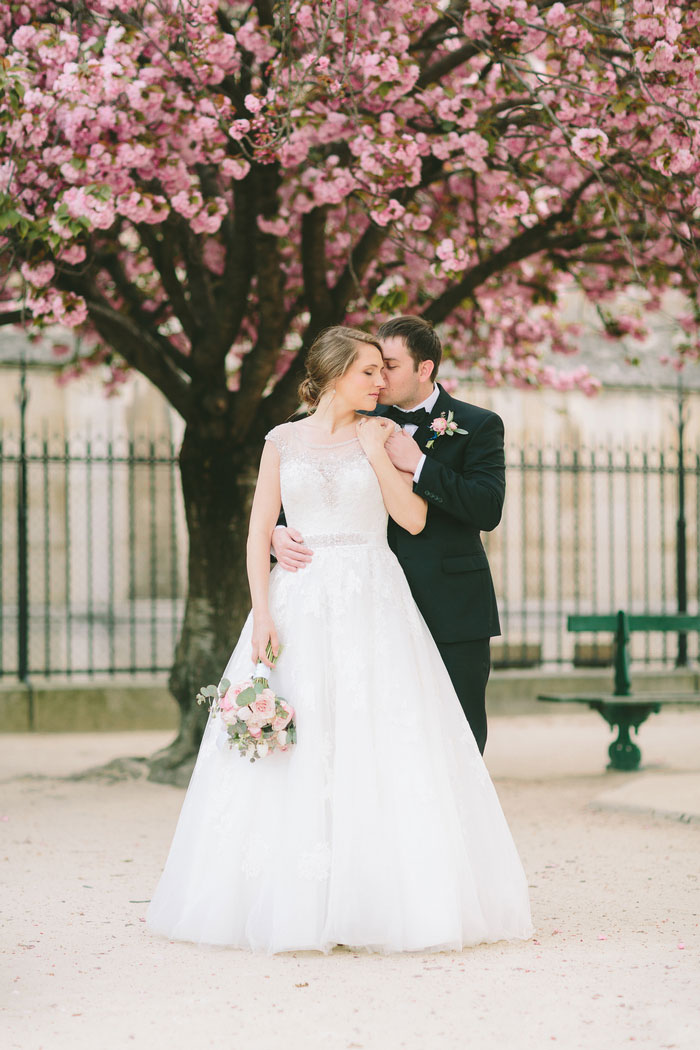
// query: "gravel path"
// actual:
[[615, 895]]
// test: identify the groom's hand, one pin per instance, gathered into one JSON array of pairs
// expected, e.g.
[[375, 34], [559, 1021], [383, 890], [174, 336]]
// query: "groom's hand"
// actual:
[[404, 452], [289, 549]]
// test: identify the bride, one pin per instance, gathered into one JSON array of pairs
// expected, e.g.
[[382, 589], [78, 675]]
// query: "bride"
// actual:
[[380, 828]]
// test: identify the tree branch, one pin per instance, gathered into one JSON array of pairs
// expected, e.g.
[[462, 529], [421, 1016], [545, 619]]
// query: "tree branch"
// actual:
[[442, 66], [265, 12], [140, 351], [232, 293], [14, 317], [313, 261], [258, 365], [162, 252], [138, 344], [528, 242], [364, 252], [134, 302], [198, 285]]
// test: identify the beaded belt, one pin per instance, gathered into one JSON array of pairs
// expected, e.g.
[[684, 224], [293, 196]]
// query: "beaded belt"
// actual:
[[346, 539]]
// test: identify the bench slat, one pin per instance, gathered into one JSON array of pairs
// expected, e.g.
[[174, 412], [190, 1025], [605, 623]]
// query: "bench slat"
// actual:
[[636, 622], [611, 698]]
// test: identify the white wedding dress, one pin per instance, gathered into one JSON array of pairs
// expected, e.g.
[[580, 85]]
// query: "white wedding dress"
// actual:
[[380, 828]]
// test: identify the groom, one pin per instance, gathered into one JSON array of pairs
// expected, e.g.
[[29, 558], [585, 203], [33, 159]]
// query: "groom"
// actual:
[[462, 478]]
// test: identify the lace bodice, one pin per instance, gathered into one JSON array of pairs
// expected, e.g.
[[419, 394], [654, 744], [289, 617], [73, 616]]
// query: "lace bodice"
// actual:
[[329, 491]]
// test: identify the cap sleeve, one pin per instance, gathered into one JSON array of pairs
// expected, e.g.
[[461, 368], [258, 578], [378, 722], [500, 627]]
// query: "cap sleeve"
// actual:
[[277, 437]]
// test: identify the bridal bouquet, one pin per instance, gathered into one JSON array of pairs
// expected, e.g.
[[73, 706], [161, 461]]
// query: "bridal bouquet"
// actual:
[[257, 722]]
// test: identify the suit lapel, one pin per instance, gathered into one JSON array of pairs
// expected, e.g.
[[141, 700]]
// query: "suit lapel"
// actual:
[[424, 433]]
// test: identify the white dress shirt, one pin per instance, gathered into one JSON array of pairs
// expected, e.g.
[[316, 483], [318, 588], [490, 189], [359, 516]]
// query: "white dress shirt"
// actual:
[[411, 428]]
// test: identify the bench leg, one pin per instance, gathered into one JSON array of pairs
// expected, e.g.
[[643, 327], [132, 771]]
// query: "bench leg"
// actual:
[[624, 753]]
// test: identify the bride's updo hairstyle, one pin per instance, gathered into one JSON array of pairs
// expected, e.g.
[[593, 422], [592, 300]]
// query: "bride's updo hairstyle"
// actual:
[[330, 356]]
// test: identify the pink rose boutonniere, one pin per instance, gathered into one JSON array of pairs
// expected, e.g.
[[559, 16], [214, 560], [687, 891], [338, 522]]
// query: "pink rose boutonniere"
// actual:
[[443, 426]]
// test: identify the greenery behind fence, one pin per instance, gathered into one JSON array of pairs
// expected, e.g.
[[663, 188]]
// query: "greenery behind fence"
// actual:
[[93, 567]]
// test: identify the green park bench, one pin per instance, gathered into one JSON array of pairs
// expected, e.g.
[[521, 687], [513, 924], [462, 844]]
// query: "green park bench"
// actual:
[[622, 709]]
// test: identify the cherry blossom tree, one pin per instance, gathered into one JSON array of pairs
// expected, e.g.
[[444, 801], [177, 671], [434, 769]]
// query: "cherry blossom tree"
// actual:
[[198, 188]]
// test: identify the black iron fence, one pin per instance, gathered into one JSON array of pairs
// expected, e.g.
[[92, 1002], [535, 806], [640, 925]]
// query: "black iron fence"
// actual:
[[93, 552], [92, 555], [594, 530]]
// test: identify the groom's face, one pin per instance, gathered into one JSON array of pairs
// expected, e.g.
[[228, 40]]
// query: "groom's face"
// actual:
[[405, 382]]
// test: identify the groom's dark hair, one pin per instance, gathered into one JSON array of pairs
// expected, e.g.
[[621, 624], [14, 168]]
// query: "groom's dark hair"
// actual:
[[419, 336]]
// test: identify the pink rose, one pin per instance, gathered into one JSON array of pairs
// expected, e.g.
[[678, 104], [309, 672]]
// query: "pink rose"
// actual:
[[439, 425], [264, 706], [226, 702], [255, 731]]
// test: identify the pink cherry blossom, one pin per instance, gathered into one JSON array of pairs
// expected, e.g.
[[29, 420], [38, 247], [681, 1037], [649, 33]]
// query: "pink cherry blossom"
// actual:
[[590, 144], [493, 187], [38, 275], [253, 104], [239, 129], [556, 16]]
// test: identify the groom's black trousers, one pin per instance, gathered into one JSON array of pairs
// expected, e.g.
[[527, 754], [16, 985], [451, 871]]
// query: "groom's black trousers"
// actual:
[[469, 665]]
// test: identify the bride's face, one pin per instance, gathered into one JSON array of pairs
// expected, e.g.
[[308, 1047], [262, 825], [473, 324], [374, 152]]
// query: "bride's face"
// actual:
[[363, 382]]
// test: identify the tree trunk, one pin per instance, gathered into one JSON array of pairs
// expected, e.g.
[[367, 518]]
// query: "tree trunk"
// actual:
[[218, 480]]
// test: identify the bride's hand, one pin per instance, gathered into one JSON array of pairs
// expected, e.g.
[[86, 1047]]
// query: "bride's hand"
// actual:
[[263, 633], [374, 433]]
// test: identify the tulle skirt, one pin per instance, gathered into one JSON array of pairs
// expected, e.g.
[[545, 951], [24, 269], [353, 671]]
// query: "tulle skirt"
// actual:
[[380, 828]]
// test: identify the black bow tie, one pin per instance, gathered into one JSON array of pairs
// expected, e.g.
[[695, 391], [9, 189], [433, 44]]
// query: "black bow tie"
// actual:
[[417, 416]]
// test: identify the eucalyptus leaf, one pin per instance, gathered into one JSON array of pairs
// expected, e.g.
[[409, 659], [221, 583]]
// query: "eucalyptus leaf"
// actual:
[[246, 697], [224, 684]]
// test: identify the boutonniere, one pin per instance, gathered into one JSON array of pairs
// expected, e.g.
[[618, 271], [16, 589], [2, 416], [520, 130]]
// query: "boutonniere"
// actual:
[[444, 425]]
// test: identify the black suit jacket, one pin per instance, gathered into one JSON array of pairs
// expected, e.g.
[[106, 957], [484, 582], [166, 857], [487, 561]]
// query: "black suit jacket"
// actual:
[[463, 481]]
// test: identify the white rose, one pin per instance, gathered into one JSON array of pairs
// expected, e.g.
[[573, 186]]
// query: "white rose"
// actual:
[[282, 737], [263, 748]]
